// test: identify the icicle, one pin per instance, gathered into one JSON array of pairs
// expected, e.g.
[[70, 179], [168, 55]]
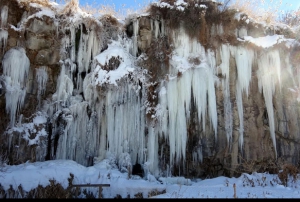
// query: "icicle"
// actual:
[[88, 89], [64, 89], [268, 70], [4, 14], [81, 59], [173, 110], [239, 101], [152, 162], [42, 78], [63, 149], [162, 112], [14, 97], [156, 28], [210, 66], [16, 58], [179, 100], [134, 51], [15, 70], [198, 79], [224, 66], [80, 52], [125, 122], [243, 58], [72, 43], [203, 85]]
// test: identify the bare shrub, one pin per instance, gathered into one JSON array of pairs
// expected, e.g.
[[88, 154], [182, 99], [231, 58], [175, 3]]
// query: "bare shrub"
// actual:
[[266, 165], [70, 7], [289, 170], [259, 10], [111, 26], [291, 18], [53, 190], [155, 193]]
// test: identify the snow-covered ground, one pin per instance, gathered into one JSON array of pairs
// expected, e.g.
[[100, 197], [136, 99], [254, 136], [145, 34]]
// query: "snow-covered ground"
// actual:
[[256, 185]]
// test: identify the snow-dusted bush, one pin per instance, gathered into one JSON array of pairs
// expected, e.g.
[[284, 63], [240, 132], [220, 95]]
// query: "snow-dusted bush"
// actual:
[[259, 10], [124, 163]]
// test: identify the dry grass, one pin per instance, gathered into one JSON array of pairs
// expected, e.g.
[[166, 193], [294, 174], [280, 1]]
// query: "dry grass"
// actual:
[[291, 18], [26, 3], [109, 8], [190, 18], [259, 10], [41, 2], [98, 10]]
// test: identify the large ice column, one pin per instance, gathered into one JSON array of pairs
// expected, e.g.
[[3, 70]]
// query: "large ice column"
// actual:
[[78, 138], [89, 47], [268, 73], [224, 66], [177, 133], [197, 76], [134, 50], [64, 90], [158, 27], [125, 123], [15, 65], [243, 58], [79, 141], [3, 32], [151, 165]]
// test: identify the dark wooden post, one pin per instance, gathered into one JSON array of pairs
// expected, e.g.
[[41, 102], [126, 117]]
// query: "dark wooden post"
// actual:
[[100, 191]]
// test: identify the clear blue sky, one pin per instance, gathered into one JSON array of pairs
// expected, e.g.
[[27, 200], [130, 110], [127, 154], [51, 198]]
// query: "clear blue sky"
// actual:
[[135, 4]]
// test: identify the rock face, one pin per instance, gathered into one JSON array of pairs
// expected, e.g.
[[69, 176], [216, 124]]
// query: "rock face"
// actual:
[[180, 93]]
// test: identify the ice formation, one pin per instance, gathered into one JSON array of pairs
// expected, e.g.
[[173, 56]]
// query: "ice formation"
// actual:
[[15, 65], [3, 32], [244, 58], [268, 74], [198, 79], [80, 48], [42, 78], [4, 15], [224, 66]]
